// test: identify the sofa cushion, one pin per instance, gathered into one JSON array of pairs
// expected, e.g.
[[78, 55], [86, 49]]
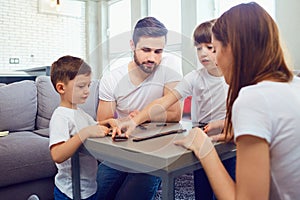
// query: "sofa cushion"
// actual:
[[18, 106], [42, 132], [24, 156], [48, 99]]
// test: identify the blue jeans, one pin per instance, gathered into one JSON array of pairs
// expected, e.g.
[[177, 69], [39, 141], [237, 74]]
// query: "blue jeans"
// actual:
[[115, 184], [203, 190], [58, 195]]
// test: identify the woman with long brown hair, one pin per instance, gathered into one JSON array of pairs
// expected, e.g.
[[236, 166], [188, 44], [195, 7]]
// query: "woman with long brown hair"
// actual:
[[263, 110]]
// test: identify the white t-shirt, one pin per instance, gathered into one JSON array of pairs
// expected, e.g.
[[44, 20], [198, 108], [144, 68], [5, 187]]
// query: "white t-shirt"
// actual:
[[64, 123], [116, 86], [271, 110], [208, 95]]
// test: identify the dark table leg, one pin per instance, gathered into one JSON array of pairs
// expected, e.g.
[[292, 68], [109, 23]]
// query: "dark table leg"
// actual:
[[168, 191], [75, 166]]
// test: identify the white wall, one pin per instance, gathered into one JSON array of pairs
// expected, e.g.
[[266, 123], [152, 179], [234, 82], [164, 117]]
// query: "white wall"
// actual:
[[36, 38], [288, 19]]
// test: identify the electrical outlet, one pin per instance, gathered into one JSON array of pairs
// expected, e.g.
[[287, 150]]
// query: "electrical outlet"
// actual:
[[17, 60], [14, 60], [11, 61]]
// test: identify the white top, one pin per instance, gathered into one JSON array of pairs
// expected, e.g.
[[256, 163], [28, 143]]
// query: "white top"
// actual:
[[208, 93], [64, 123], [116, 86], [271, 110]]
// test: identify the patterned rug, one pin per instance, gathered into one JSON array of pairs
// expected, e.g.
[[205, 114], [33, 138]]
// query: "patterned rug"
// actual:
[[184, 188]]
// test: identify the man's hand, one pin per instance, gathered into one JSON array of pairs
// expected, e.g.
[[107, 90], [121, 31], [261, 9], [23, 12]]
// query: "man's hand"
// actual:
[[113, 125], [134, 113], [110, 123], [126, 125]]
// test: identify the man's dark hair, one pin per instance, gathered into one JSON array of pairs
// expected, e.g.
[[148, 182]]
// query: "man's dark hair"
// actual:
[[148, 26]]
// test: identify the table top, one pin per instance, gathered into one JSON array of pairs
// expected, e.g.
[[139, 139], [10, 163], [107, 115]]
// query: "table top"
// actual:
[[154, 154]]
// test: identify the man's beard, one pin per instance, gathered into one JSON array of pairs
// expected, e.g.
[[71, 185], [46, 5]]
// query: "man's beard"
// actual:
[[144, 68]]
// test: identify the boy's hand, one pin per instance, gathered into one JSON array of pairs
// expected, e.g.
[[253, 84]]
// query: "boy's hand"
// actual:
[[93, 131], [218, 137], [214, 127]]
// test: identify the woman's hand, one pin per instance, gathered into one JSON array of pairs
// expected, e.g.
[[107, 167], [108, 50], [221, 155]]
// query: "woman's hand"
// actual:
[[198, 142]]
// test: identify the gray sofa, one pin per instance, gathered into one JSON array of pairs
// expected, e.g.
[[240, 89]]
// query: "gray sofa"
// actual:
[[25, 110]]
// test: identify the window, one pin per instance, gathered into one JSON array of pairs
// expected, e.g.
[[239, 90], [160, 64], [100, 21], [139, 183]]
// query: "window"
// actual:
[[161, 10], [119, 17], [223, 5], [119, 32], [172, 20]]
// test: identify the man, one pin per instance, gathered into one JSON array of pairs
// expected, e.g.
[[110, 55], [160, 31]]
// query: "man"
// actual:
[[124, 92]]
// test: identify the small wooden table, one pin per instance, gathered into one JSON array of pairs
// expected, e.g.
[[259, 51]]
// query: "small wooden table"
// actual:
[[158, 156]]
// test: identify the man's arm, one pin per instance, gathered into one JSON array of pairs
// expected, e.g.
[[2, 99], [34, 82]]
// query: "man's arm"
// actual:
[[154, 110], [105, 110]]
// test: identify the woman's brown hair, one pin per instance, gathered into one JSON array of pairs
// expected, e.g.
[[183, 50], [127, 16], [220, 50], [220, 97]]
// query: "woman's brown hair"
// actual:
[[253, 37]]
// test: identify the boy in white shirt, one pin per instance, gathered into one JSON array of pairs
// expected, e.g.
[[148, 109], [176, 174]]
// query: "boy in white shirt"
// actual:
[[70, 127]]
